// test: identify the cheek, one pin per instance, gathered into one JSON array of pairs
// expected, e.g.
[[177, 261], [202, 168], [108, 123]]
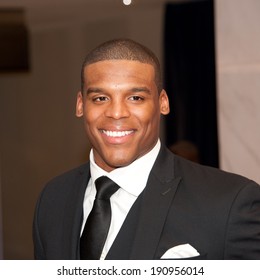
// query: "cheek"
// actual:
[[90, 124], [148, 116], [91, 116]]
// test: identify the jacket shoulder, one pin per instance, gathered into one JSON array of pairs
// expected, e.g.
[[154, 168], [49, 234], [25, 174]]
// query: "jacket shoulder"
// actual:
[[197, 174], [65, 181]]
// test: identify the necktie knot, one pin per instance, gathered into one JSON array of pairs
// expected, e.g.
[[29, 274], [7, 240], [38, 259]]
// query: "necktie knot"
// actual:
[[105, 188]]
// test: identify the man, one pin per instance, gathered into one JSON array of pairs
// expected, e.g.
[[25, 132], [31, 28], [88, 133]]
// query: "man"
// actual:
[[162, 206]]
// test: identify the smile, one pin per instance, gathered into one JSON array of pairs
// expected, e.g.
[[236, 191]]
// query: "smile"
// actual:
[[117, 133]]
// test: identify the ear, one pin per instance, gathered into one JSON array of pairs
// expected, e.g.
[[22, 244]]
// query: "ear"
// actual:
[[164, 103], [79, 105]]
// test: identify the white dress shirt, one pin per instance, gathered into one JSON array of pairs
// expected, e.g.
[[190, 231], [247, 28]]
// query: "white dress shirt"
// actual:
[[132, 179]]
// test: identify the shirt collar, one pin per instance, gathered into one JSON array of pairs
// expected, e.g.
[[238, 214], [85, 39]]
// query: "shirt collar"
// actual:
[[132, 178]]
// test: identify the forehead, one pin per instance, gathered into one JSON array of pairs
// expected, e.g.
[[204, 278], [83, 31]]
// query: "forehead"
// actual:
[[119, 69]]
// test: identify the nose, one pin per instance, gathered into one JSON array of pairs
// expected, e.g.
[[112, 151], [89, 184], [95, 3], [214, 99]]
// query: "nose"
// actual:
[[117, 109]]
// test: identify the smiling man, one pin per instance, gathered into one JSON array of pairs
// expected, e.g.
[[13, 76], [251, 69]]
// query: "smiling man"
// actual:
[[134, 199], [121, 107]]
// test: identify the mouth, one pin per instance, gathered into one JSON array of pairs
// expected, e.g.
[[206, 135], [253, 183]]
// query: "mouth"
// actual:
[[116, 134]]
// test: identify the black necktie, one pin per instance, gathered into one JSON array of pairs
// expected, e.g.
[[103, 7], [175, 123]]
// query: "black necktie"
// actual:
[[98, 222]]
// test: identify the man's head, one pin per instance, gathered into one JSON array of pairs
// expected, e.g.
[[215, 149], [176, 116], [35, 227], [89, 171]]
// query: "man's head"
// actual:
[[120, 102], [123, 49]]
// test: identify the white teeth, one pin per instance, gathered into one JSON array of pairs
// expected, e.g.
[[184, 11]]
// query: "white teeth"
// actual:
[[117, 133]]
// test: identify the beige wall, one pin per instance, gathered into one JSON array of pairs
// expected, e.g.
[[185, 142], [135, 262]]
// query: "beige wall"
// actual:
[[40, 136], [238, 73]]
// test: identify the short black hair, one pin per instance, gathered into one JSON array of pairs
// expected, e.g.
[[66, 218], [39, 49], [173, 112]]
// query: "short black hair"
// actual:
[[123, 49]]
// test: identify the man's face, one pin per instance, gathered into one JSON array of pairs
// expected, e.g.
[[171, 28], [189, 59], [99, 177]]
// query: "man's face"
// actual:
[[121, 109]]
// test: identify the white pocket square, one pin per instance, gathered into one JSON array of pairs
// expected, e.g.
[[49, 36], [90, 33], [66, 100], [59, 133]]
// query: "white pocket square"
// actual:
[[180, 251]]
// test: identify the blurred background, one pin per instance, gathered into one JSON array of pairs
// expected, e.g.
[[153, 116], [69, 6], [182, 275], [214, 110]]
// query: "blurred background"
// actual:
[[210, 55]]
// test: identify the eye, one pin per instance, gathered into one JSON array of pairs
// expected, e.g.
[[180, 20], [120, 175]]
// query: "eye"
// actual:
[[100, 99], [136, 98]]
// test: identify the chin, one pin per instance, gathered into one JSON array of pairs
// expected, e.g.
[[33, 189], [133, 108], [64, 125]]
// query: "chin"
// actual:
[[117, 163]]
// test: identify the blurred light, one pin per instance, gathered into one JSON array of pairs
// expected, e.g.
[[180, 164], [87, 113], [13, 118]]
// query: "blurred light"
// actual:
[[127, 2]]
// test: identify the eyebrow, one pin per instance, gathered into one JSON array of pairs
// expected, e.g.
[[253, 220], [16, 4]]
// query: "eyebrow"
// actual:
[[133, 89], [94, 90], [141, 89]]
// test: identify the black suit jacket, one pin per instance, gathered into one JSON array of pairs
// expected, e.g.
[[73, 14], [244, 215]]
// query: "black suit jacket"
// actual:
[[217, 213]]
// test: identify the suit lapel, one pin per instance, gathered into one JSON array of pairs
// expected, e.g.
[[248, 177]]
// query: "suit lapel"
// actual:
[[73, 215], [157, 198], [155, 206], [141, 231]]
